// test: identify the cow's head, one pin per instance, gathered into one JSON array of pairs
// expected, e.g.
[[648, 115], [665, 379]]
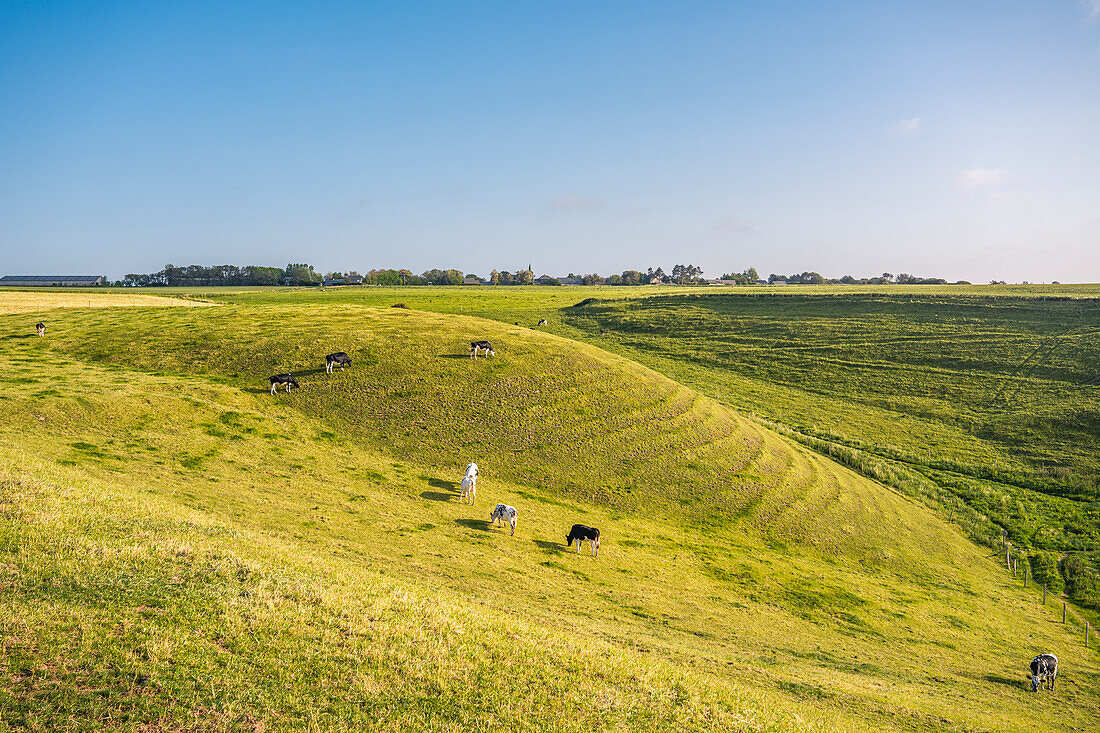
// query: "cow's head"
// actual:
[[1036, 683]]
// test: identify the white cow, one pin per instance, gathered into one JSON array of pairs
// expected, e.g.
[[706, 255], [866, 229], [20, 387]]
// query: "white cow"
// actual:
[[469, 483], [504, 513]]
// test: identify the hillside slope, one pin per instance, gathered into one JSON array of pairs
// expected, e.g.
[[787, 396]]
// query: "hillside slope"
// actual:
[[230, 557]]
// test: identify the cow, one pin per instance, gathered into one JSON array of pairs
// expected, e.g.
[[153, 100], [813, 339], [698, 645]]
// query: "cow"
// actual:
[[339, 359], [41, 328], [580, 533], [542, 321], [485, 346], [1044, 668], [469, 483], [504, 513], [277, 379]]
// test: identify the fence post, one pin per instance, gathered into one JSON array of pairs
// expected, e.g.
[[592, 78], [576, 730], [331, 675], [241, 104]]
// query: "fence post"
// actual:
[[1044, 594], [1008, 560], [1025, 574], [1086, 633], [1013, 568], [1063, 612]]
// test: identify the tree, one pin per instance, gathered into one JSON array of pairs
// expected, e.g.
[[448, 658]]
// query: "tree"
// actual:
[[301, 274], [686, 273], [443, 277], [592, 279], [752, 274], [631, 277]]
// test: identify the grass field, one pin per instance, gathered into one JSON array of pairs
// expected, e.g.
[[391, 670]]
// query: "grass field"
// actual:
[[22, 301], [180, 550]]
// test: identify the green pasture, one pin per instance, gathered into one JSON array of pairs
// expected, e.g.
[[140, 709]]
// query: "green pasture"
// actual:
[[179, 550]]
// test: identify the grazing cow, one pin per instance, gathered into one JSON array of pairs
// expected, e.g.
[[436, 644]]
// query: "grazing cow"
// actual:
[[41, 328], [476, 346], [542, 321], [1044, 668], [504, 513], [339, 359], [580, 533], [277, 379], [469, 483]]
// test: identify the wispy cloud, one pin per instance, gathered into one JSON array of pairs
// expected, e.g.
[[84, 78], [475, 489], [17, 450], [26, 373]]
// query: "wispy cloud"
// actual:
[[571, 202], [1093, 6], [730, 225], [911, 125], [982, 176]]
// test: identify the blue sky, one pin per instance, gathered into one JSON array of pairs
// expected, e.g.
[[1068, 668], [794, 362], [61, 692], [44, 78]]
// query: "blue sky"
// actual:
[[939, 138]]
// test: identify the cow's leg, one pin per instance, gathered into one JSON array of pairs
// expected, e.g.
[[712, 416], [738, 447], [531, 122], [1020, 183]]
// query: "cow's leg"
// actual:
[[273, 386], [513, 527]]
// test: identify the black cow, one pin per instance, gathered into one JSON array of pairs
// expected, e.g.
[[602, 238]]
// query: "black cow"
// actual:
[[485, 346], [542, 321], [277, 379], [339, 359], [41, 328], [1044, 668], [580, 533]]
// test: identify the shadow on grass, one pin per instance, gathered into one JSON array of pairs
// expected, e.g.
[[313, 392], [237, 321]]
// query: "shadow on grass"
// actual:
[[307, 372], [999, 680], [549, 546], [21, 336], [267, 390], [482, 524], [435, 496], [455, 356], [439, 483]]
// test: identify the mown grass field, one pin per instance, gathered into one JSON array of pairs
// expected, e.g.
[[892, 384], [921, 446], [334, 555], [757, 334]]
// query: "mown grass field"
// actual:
[[180, 550]]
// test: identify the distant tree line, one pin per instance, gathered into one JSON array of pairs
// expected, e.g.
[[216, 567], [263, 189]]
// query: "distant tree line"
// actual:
[[292, 274], [815, 278], [304, 274], [173, 276]]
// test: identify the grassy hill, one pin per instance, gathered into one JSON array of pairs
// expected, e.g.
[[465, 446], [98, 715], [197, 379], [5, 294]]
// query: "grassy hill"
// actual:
[[183, 551]]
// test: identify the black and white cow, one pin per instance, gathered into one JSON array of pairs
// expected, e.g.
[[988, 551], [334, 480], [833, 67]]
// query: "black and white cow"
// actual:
[[579, 533], [504, 513], [1044, 668], [339, 359], [542, 321], [41, 328], [476, 346], [277, 379], [469, 483]]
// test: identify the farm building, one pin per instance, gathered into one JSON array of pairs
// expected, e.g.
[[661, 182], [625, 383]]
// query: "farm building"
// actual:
[[51, 281], [342, 281]]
